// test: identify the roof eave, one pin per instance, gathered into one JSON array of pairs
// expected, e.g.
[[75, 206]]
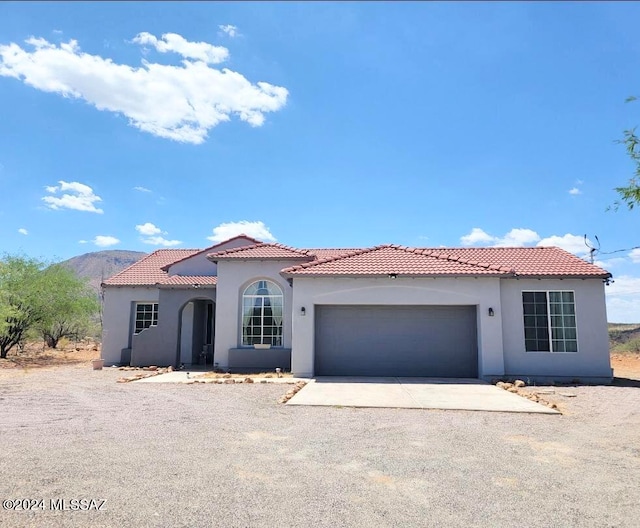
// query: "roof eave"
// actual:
[[186, 286], [565, 276], [293, 275], [215, 259]]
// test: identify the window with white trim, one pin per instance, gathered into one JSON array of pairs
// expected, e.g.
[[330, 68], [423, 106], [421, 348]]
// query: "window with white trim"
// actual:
[[549, 321], [262, 314], [146, 316]]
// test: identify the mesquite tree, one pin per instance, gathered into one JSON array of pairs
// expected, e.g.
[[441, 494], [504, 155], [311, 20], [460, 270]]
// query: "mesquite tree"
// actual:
[[630, 193], [51, 300], [68, 307], [20, 307]]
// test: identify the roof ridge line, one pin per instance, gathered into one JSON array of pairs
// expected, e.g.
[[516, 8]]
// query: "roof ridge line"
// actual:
[[450, 258], [334, 258], [201, 251]]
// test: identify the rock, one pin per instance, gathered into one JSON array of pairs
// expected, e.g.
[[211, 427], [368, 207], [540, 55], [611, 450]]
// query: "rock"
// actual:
[[504, 385], [519, 383], [268, 375], [169, 368], [227, 376], [248, 380], [512, 389], [229, 381], [567, 394]]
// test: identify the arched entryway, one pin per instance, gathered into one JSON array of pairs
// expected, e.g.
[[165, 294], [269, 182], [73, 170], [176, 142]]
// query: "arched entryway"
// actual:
[[196, 332]]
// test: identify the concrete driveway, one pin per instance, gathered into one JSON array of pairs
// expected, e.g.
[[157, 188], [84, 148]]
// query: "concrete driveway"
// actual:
[[414, 393]]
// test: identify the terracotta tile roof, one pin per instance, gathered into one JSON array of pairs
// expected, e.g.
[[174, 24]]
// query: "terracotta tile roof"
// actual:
[[261, 251], [148, 270], [211, 249], [530, 261], [323, 253], [389, 259], [189, 280], [379, 260]]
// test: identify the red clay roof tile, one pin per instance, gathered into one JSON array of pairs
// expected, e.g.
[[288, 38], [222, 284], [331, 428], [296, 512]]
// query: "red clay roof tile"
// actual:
[[148, 270], [189, 280], [210, 248], [380, 260], [394, 259], [261, 251]]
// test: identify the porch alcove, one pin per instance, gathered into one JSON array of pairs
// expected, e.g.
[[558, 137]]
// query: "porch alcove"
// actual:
[[196, 333]]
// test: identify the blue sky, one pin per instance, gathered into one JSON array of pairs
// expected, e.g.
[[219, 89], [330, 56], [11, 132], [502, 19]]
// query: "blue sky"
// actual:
[[147, 125]]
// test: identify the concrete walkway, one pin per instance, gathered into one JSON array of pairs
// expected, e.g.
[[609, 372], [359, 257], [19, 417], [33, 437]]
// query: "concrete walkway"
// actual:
[[414, 393]]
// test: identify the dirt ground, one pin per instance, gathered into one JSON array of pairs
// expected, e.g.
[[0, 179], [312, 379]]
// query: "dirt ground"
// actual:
[[36, 356], [230, 455], [626, 365]]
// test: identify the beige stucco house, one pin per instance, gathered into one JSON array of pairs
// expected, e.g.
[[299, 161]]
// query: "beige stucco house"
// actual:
[[244, 305]]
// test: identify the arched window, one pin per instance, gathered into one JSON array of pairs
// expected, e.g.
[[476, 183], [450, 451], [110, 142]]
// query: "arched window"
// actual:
[[262, 314]]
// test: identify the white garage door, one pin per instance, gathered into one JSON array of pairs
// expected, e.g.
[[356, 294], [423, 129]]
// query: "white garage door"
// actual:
[[432, 341]]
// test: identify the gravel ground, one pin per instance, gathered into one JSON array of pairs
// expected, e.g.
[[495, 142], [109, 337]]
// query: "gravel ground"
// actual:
[[229, 455]]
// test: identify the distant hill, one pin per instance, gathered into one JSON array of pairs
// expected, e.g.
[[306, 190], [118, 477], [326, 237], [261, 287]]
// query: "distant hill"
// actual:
[[101, 265]]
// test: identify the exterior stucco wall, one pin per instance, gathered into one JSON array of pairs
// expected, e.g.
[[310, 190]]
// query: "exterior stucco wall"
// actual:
[[233, 278], [592, 359], [186, 340], [200, 265], [483, 293], [118, 316], [160, 345]]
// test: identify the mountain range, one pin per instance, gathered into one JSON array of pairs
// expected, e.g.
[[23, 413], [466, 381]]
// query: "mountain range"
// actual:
[[100, 265]]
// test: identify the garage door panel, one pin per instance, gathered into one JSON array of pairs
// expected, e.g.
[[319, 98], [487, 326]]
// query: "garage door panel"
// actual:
[[438, 341]]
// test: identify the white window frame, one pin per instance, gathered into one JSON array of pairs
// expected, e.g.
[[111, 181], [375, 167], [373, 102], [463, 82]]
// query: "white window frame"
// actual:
[[154, 316], [276, 340], [549, 325]]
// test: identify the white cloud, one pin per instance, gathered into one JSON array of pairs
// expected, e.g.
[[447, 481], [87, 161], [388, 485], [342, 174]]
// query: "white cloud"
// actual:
[[105, 241], [151, 235], [229, 230], [515, 237], [160, 241], [518, 238], [181, 103], [148, 229], [623, 300], [635, 256], [572, 243], [83, 241], [527, 237], [477, 236], [201, 51], [80, 197], [142, 189], [23, 231], [575, 191], [230, 30]]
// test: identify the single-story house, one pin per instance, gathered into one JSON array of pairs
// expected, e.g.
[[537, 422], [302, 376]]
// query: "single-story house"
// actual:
[[389, 310]]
